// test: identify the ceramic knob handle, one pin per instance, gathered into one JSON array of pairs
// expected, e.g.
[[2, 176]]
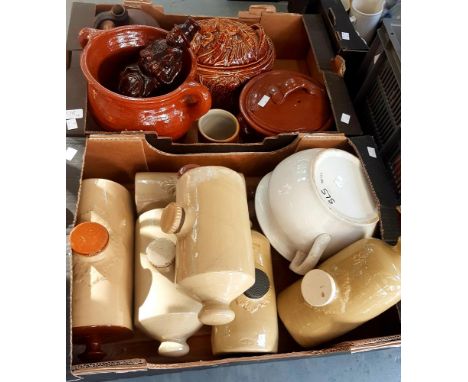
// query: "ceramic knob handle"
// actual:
[[172, 218]]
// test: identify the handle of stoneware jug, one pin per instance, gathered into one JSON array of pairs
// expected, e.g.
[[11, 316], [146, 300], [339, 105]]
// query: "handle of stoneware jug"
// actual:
[[304, 262], [196, 99], [87, 34], [279, 93]]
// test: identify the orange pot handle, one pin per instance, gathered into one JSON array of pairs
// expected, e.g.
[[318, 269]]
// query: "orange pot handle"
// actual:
[[195, 99], [87, 34]]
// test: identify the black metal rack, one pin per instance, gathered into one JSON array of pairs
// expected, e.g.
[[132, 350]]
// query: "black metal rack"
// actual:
[[378, 99]]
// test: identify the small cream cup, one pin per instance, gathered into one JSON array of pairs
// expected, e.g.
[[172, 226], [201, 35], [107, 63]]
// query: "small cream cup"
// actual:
[[218, 126]]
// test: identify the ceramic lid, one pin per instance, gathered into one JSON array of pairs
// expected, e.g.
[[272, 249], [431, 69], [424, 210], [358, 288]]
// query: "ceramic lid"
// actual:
[[318, 288], [282, 101], [343, 187], [88, 238], [227, 43]]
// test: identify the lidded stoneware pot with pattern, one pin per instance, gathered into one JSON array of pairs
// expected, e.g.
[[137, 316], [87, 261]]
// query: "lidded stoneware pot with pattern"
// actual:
[[229, 53]]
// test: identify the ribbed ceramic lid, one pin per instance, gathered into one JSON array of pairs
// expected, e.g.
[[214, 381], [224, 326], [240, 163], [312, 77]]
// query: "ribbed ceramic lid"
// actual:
[[88, 238], [343, 187], [282, 101]]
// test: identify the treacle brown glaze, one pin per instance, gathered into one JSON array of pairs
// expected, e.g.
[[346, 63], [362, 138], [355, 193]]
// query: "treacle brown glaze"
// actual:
[[159, 63], [229, 53], [283, 101]]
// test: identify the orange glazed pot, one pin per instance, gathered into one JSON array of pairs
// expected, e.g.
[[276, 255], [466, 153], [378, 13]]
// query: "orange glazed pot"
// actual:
[[106, 53]]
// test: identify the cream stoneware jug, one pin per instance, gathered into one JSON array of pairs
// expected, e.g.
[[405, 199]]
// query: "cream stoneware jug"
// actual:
[[154, 190], [313, 204], [163, 310], [255, 328], [102, 247], [214, 256], [353, 286]]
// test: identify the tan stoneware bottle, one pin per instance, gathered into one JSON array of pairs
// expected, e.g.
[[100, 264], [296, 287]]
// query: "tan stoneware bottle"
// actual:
[[154, 190], [214, 256], [102, 247], [255, 328], [355, 285], [163, 310]]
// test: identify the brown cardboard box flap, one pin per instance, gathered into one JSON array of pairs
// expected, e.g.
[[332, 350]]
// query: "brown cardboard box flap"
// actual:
[[375, 344], [301, 44], [120, 157], [131, 153], [127, 365], [141, 365]]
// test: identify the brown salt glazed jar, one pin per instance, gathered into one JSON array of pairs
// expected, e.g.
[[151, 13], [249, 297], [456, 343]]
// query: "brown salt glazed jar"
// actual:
[[283, 101], [107, 52], [102, 247], [229, 53]]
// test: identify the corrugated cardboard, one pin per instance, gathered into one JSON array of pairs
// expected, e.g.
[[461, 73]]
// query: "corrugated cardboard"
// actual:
[[301, 45], [118, 157]]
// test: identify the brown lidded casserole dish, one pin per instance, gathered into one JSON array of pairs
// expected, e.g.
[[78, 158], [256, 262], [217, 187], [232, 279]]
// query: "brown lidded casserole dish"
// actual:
[[229, 53], [283, 101]]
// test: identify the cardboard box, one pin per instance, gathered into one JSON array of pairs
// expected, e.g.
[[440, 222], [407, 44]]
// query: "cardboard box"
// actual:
[[301, 44], [118, 157], [346, 42]]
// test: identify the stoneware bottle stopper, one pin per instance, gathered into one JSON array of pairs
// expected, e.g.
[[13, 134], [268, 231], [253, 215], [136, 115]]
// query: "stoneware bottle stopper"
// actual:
[[172, 218], [88, 239], [318, 288], [161, 252]]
